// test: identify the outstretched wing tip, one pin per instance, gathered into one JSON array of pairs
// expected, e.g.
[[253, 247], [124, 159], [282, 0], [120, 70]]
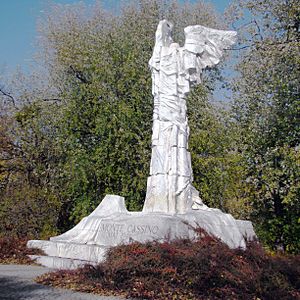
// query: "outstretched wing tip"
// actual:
[[208, 44]]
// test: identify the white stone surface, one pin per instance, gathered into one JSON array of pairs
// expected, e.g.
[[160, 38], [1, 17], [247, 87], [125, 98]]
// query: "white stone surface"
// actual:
[[91, 238], [59, 262], [139, 226], [70, 250], [174, 71], [111, 204], [172, 206]]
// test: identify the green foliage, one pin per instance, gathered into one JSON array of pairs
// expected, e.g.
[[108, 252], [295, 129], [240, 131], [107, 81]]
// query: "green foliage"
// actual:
[[100, 65], [30, 212], [81, 127], [84, 129], [277, 193], [267, 110], [218, 166], [28, 205]]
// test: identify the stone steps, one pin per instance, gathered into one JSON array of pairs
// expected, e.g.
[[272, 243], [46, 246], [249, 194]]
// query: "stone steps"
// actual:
[[59, 262], [61, 255]]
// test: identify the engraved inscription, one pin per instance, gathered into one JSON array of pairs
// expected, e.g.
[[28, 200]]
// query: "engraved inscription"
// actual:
[[112, 229], [142, 229], [116, 229]]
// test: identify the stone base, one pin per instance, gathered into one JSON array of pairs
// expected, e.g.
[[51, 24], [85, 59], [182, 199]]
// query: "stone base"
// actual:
[[70, 250], [59, 263], [111, 225]]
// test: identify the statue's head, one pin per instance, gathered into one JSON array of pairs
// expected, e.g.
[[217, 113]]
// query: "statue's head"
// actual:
[[164, 33]]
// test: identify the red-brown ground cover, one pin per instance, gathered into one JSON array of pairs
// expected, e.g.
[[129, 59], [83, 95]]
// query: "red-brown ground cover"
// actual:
[[14, 251], [184, 269]]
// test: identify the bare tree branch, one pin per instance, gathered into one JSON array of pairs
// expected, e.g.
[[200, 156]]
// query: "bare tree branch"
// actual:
[[12, 99], [240, 48], [52, 99], [242, 26], [79, 75], [264, 45]]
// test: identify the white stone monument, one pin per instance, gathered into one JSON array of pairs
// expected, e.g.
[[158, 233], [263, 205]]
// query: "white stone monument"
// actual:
[[172, 206], [174, 71]]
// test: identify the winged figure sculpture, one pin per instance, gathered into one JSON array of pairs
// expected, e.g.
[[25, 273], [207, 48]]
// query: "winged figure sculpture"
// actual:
[[175, 70]]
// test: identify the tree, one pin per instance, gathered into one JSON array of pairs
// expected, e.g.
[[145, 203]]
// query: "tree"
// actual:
[[267, 109], [87, 131], [29, 205]]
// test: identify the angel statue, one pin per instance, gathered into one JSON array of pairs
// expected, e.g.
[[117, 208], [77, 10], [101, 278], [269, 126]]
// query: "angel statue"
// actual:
[[174, 71]]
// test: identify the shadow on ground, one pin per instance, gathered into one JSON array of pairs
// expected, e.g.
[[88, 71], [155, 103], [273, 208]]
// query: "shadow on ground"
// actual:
[[17, 283], [14, 288]]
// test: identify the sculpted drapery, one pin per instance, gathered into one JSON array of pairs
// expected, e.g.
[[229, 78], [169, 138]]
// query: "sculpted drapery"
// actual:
[[170, 193], [174, 71]]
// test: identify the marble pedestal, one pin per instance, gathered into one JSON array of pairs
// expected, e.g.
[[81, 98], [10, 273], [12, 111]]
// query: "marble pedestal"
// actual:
[[111, 225]]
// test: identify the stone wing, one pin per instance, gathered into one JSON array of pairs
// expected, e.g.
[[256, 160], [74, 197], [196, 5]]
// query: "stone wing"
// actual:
[[204, 46]]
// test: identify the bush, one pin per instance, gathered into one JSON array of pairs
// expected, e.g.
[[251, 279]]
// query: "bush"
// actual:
[[28, 212], [184, 269], [14, 250]]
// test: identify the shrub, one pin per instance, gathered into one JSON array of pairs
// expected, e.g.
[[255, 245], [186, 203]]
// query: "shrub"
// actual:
[[28, 211], [184, 269], [14, 250]]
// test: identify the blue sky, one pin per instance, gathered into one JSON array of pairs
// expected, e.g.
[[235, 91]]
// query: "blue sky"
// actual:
[[17, 28]]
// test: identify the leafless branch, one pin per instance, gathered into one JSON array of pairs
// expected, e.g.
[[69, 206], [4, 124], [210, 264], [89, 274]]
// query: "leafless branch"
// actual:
[[240, 48], [12, 99], [242, 26], [263, 45], [79, 75], [52, 99]]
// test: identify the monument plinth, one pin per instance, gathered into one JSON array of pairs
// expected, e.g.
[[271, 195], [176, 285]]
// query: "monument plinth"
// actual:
[[172, 205]]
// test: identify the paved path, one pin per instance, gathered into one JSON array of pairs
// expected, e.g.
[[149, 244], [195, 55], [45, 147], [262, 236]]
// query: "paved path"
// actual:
[[17, 283]]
